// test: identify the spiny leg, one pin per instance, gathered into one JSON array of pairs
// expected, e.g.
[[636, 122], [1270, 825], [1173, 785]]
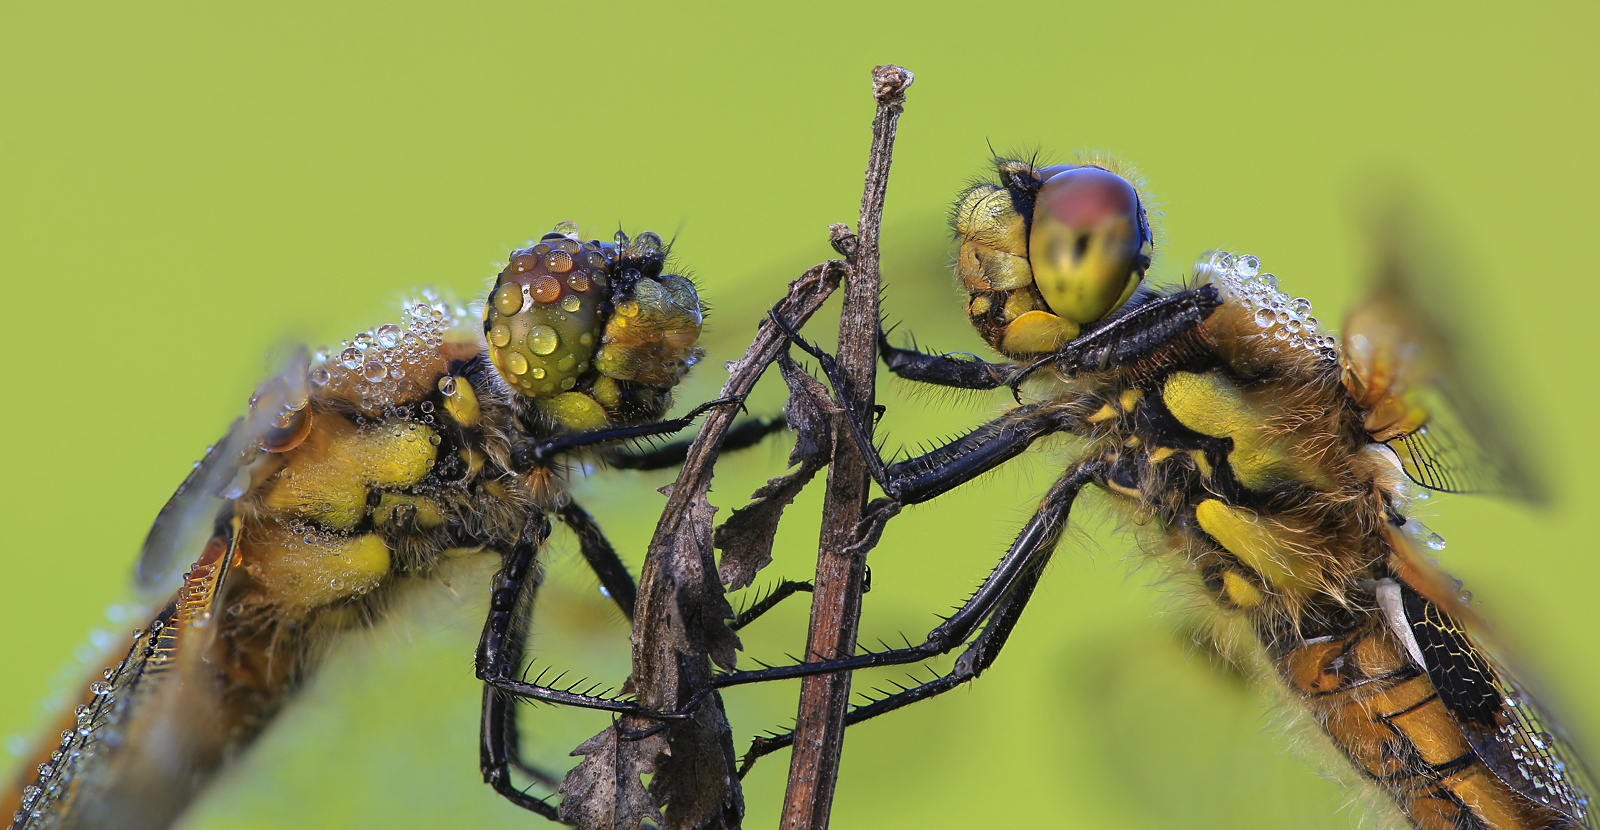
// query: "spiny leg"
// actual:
[[921, 478], [601, 556], [973, 661], [526, 455], [745, 434], [944, 370], [502, 646], [1013, 577]]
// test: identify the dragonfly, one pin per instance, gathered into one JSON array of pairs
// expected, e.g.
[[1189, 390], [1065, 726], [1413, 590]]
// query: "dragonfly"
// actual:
[[360, 473], [1278, 465]]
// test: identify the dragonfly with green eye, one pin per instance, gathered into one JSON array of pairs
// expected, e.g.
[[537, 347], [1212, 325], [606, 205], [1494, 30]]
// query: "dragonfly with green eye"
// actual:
[[358, 476], [1278, 464]]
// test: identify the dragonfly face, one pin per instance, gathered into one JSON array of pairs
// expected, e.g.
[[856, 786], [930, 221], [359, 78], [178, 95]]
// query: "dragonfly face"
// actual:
[[357, 475], [1279, 465]]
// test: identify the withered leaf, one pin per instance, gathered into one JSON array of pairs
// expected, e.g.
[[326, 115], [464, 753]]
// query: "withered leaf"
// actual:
[[606, 790], [747, 536]]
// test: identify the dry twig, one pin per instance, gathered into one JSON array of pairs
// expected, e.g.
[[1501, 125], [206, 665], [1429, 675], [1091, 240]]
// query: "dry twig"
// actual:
[[678, 622], [841, 558]]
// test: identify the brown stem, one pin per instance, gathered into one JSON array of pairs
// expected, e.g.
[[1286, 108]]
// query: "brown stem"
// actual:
[[841, 562], [679, 618]]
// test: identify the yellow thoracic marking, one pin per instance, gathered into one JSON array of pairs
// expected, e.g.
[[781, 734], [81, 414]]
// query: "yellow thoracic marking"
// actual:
[[425, 511], [1130, 399], [474, 461], [1124, 490], [1212, 405], [979, 305], [1262, 545], [1104, 413], [1160, 454], [298, 574], [327, 477], [1201, 463], [1132, 442], [1239, 590], [462, 404], [574, 411]]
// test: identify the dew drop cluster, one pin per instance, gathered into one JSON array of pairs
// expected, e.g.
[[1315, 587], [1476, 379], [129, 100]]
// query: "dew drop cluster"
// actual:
[[1282, 319]]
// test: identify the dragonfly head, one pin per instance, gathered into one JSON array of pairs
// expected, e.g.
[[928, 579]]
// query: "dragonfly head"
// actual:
[[1089, 244], [592, 332]]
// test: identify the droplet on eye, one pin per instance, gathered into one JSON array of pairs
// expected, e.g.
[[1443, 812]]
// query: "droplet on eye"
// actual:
[[543, 339]]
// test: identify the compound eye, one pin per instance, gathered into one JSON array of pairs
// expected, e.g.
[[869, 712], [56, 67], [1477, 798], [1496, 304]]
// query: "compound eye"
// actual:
[[1089, 245]]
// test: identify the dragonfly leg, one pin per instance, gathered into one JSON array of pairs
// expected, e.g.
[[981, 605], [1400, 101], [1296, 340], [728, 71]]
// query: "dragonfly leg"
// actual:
[[601, 556], [973, 661], [918, 479], [745, 434], [997, 602], [526, 455], [500, 652], [967, 372]]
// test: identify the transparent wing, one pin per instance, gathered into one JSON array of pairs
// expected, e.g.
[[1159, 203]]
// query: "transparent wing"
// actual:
[[189, 518], [94, 733], [113, 767], [1510, 729], [1421, 396]]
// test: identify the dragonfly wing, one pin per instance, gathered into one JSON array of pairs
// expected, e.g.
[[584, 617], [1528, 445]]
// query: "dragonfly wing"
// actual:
[[1507, 725], [1406, 372], [191, 517]]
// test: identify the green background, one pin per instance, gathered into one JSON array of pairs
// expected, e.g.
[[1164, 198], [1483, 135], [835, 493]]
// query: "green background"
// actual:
[[184, 186]]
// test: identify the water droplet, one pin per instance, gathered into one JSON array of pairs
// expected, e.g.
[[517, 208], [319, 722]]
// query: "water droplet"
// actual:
[[1268, 282], [543, 340], [545, 289], [586, 339], [350, 358], [388, 336], [1434, 542], [537, 372], [508, 298], [516, 363], [320, 376], [571, 303], [1223, 262], [500, 335], [566, 227], [374, 370], [1299, 308], [447, 385], [1247, 267]]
